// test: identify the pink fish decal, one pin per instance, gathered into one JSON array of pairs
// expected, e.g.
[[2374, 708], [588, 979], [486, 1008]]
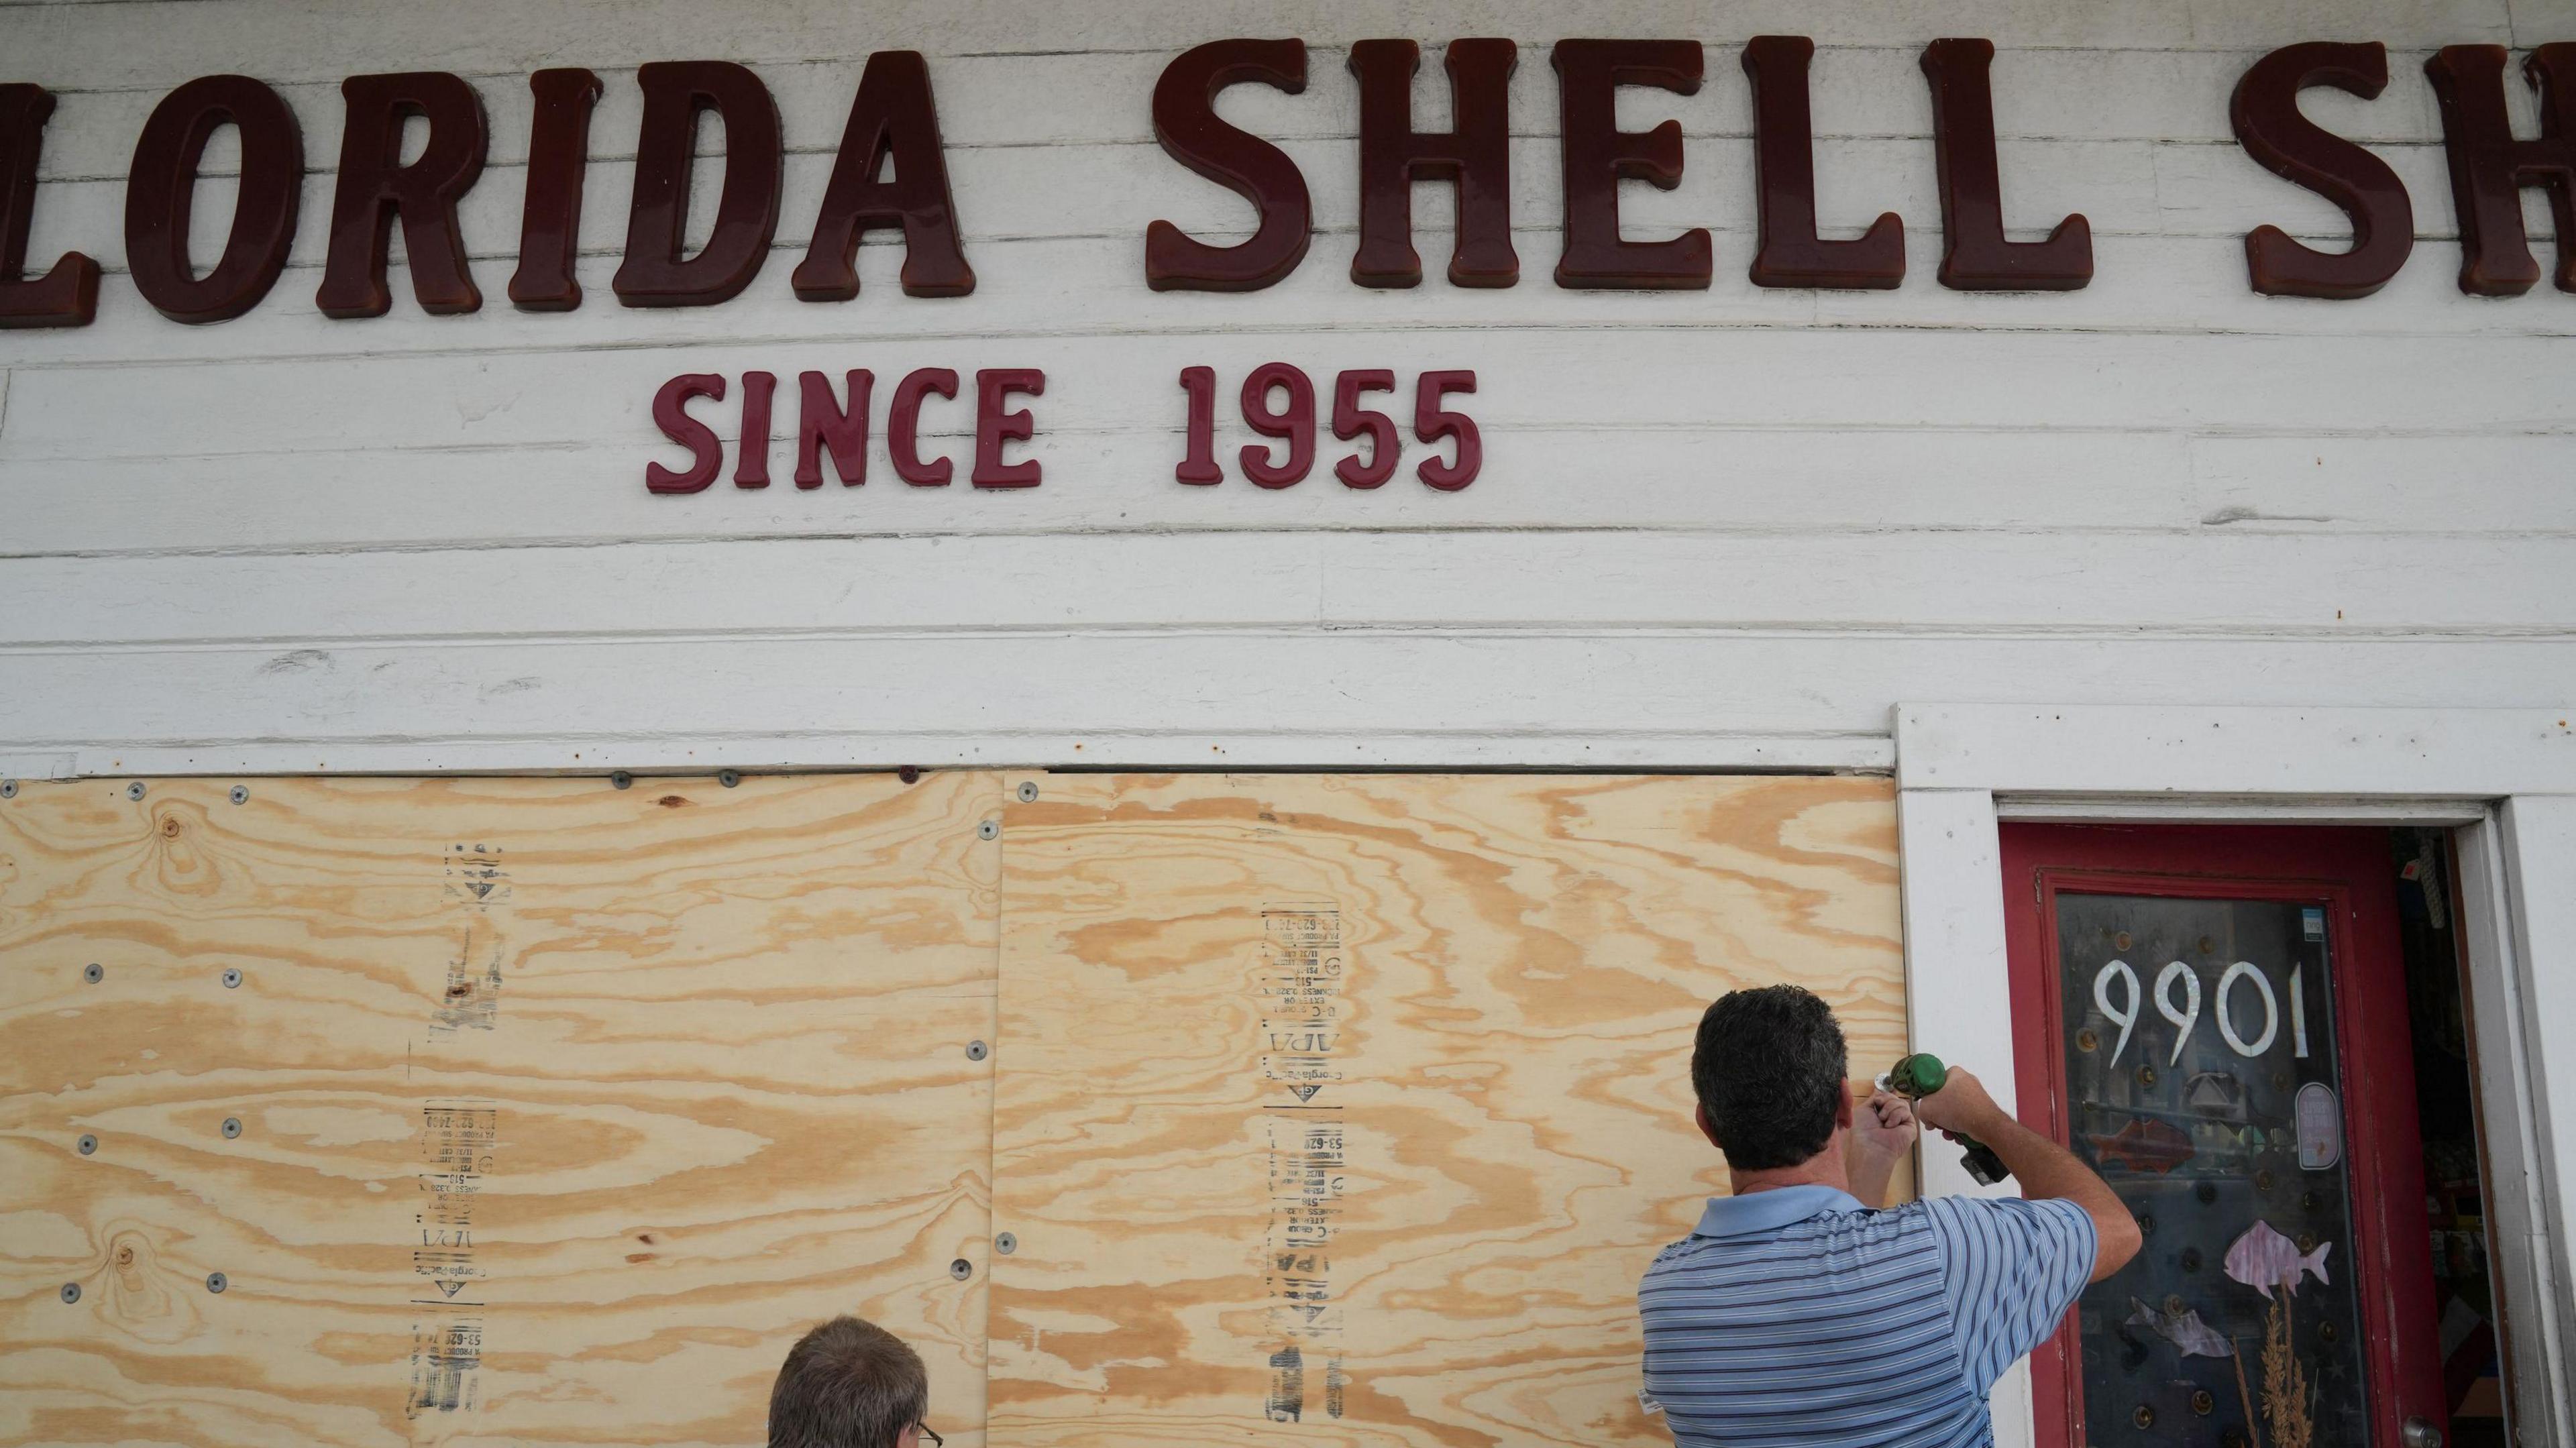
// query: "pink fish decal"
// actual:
[[2183, 1327], [2262, 1258]]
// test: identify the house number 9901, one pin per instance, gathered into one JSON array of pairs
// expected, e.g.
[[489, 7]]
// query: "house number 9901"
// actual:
[[2178, 999]]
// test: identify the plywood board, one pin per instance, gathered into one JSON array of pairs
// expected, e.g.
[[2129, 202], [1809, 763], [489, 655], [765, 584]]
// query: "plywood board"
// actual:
[[564, 1109], [1349, 1110]]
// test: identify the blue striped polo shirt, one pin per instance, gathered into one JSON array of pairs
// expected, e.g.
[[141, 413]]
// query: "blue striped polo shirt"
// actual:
[[1797, 1318]]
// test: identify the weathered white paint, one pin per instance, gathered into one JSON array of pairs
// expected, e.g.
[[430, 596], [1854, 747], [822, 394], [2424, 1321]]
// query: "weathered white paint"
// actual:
[[2335, 587], [2359, 753], [2513, 1100], [1954, 977], [1777, 697], [1954, 950], [1764, 515], [503, 36], [2539, 849], [1592, 378]]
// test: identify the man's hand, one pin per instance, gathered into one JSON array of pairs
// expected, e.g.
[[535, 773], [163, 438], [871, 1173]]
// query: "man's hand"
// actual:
[[1885, 1127], [1960, 1108], [1882, 1132]]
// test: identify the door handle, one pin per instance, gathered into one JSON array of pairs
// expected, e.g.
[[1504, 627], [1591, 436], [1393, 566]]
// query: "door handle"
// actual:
[[2420, 1433]]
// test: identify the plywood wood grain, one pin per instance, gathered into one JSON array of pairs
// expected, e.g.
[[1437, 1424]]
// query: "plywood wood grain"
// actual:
[[564, 1109], [1349, 1109]]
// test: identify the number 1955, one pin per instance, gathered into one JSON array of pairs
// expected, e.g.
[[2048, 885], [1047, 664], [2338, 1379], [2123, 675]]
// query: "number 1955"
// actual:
[[1293, 422]]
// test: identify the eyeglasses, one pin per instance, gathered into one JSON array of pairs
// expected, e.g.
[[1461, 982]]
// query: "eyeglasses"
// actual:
[[935, 1440]]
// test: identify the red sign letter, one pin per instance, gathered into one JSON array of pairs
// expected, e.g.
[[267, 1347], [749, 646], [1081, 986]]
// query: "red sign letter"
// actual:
[[903, 427], [2489, 167], [374, 190], [160, 194], [1598, 156], [993, 426], [66, 296], [1185, 121], [1350, 420], [550, 220], [891, 113], [821, 423], [1432, 422], [1784, 168], [1476, 155], [2265, 110], [1296, 423], [1975, 257], [671, 414], [751, 448], [675, 93], [1198, 457]]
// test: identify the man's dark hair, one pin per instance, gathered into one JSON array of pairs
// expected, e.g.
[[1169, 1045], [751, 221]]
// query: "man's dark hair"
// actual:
[[1768, 1069], [847, 1384]]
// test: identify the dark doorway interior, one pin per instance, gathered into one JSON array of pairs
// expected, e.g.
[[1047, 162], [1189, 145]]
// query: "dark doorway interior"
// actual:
[[2447, 1107]]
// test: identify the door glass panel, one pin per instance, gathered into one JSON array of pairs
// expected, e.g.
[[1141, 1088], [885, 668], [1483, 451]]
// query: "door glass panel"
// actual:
[[2203, 1084]]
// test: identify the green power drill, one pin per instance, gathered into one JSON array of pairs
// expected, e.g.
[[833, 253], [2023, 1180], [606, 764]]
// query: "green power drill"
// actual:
[[1919, 1075]]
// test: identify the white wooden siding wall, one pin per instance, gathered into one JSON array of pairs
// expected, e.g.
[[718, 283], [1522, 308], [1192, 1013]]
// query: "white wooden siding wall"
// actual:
[[1714, 528]]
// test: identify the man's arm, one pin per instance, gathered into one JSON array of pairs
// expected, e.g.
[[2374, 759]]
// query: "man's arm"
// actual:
[[2045, 1169]]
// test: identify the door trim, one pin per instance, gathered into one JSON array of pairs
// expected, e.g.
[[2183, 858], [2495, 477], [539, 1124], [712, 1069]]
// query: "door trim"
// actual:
[[2504, 781]]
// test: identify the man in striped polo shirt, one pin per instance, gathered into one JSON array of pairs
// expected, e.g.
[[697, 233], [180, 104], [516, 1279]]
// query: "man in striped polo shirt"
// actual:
[[1797, 1317]]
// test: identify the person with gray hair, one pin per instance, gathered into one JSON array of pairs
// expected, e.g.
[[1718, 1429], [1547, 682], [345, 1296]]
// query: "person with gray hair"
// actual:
[[850, 1384]]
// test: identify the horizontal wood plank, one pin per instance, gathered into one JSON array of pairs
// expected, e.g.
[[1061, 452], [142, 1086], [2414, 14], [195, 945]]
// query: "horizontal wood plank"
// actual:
[[2211, 582], [1093, 97], [1755, 479], [485, 36], [2396, 485], [2320, 753], [1161, 697], [1576, 379]]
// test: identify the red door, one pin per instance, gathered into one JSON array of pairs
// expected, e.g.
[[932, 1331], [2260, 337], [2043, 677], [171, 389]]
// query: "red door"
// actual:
[[2214, 1017]]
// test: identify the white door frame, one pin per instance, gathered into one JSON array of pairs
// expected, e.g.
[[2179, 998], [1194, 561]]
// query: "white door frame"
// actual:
[[2504, 778]]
